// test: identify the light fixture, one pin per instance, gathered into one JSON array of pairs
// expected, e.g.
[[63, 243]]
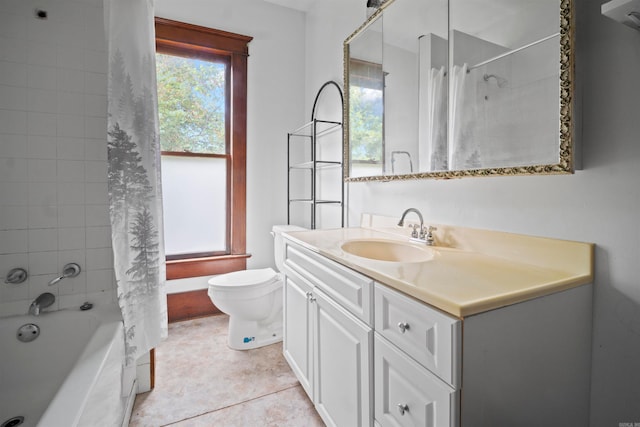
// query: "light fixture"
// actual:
[[372, 6], [626, 12]]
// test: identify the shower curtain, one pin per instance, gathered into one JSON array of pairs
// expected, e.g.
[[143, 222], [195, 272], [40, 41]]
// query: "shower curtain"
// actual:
[[437, 119], [464, 152], [135, 201]]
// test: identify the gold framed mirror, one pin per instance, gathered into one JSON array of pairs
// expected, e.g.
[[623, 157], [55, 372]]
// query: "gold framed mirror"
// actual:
[[460, 88]]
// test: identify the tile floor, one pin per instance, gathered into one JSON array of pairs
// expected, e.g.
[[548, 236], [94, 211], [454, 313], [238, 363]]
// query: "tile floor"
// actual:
[[200, 382]]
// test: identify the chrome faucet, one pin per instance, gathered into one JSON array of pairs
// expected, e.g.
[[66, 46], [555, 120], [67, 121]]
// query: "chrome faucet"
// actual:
[[43, 301], [414, 233], [422, 234]]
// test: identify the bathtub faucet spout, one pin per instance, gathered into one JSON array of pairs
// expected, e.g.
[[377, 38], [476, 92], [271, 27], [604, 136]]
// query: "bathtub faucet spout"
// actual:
[[43, 301]]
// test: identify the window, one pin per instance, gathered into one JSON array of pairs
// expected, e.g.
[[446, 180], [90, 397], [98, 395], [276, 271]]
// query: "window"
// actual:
[[192, 105], [201, 76], [366, 122]]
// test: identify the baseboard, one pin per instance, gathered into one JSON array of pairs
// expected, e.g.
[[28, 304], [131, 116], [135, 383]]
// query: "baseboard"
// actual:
[[190, 305]]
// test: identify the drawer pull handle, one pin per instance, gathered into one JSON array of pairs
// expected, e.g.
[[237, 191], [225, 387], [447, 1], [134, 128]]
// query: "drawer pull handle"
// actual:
[[402, 408], [403, 326]]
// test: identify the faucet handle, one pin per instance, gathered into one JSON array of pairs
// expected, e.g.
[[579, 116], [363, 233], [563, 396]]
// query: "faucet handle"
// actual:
[[427, 234], [69, 270], [414, 233], [16, 276]]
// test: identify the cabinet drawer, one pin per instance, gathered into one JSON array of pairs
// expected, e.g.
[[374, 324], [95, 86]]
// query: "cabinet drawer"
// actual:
[[351, 290], [407, 394], [432, 338]]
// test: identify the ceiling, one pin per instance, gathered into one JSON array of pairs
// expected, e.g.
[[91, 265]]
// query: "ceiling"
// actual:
[[301, 5]]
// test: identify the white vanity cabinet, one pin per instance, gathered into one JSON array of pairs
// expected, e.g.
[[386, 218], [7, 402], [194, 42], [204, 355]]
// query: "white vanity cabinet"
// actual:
[[328, 338], [368, 354], [524, 364]]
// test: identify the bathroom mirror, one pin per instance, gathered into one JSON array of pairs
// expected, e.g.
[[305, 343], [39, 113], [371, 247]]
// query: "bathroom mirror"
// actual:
[[455, 88]]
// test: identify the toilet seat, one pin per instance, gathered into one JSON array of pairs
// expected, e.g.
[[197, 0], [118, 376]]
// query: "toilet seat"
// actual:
[[265, 279]]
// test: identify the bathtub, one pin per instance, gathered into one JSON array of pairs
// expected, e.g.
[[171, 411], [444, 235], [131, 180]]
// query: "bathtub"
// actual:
[[70, 375]]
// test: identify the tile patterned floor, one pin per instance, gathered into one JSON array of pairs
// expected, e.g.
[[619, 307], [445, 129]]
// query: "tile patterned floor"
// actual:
[[200, 382]]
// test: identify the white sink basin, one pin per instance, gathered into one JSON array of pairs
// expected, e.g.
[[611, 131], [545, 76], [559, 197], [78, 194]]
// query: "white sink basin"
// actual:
[[388, 250]]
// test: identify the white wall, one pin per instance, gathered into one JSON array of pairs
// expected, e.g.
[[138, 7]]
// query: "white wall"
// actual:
[[275, 104], [53, 152], [599, 204]]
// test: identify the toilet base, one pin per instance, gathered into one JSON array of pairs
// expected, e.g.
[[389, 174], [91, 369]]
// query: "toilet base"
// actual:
[[248, 334]]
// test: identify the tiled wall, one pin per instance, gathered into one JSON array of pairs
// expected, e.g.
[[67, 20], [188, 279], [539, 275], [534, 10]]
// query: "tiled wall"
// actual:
[[53, 151]]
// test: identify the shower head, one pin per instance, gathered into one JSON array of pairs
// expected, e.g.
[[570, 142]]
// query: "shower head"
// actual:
[[500, 81]]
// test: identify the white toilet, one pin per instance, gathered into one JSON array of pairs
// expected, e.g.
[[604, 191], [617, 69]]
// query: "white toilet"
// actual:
[[253, 300]]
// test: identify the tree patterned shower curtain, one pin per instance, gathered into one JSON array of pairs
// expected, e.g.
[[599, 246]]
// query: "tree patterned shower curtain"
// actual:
[[135, 195]]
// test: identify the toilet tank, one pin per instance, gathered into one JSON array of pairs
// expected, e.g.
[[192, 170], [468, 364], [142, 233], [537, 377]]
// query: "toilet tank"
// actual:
[[278, 241]]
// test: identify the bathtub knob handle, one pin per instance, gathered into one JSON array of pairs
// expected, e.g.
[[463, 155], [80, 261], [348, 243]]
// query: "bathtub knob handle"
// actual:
[[16, 276], [69, 270], [56, 280]]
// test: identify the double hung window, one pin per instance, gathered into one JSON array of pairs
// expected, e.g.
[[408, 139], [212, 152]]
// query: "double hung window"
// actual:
[[201, 80]]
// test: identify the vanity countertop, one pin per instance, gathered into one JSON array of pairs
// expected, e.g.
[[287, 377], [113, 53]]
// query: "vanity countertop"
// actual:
[[472, 271]]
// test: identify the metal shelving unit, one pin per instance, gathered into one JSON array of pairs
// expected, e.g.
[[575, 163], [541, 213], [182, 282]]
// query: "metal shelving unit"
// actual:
[[312, 133]]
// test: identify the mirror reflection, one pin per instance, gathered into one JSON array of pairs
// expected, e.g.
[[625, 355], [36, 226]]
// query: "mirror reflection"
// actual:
[[504, 83], [366, 102], [415, 61], [435, 87]]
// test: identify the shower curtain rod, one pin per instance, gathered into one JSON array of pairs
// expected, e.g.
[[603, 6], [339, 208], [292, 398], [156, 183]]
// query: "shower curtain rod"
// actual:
[[502, 55]]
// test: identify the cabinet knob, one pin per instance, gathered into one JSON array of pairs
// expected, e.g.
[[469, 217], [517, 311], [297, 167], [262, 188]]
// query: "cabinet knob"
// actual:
[[403, 326], [310, 297], [402, 408]]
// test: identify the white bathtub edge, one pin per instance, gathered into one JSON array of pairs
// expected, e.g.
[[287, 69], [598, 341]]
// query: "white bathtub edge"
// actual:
[[67, 405]]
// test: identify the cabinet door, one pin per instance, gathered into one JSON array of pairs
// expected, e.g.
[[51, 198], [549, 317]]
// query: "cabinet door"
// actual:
[[342, 358], [407, 394], [297, 334]]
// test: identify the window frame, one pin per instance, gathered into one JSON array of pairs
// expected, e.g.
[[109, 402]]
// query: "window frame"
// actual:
[[192, 41]]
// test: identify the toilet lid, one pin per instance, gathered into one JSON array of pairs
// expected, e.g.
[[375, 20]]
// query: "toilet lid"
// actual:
[[245, 278]]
